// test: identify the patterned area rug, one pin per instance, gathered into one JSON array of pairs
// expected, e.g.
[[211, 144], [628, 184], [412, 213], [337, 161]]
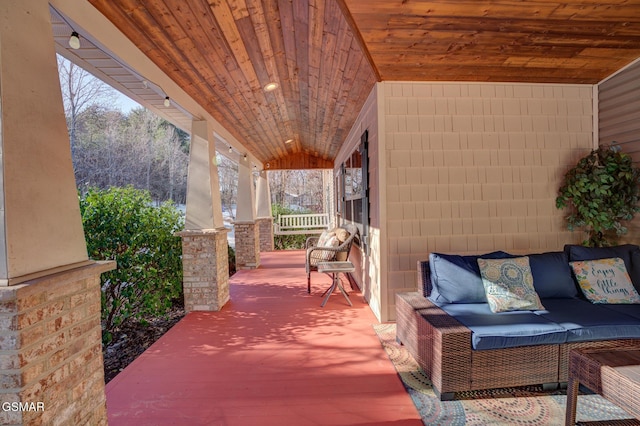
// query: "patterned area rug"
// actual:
[[529, 405]]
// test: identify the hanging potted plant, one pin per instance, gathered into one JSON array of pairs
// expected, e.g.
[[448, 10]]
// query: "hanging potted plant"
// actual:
[[601, 192]]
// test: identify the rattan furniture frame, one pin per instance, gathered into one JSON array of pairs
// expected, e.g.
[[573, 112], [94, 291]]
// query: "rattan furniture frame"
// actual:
[[613, 372], [328, 254], [442, 348]]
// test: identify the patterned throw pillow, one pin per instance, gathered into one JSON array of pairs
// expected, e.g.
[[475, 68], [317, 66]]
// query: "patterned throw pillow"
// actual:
[[605, 281], [508, 284], [325, 255]]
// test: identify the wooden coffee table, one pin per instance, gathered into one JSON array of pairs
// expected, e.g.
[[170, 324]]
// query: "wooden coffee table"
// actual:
[[613, 373]]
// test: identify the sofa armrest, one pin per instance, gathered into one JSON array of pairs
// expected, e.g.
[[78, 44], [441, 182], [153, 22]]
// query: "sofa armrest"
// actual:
[[438, 342], [424, 278], [444, 350]]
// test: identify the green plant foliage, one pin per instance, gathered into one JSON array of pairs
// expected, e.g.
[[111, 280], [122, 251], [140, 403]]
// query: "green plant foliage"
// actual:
[[122, 224], [601, 192], [231, 254], [287, 242]]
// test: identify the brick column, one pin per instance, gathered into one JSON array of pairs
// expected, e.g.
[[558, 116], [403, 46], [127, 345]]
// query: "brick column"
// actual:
[[247, 245], [265, 230], [205, 266], [51, 349]]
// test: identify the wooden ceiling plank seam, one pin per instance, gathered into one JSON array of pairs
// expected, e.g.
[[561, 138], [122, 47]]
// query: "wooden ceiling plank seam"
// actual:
[[273, 131], [363, 87], [285, 94], [355, 29], [333, 66], [341, 57], [190, 75], [497, 9], [242, 100], [247, 93], [316, 52], [288, 34], [275, 100], [224, 18], [300, 24], [352, 65]]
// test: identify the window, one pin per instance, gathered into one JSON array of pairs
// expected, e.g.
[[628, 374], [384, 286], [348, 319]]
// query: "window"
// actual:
[[352, 187]]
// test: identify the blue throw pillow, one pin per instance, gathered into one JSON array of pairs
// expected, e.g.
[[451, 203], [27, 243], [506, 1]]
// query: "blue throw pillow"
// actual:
[[576, 253], [552, 276], [456, 279]]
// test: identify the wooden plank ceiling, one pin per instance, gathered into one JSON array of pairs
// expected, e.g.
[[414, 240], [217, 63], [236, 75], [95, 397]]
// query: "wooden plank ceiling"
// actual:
[[326, 55]]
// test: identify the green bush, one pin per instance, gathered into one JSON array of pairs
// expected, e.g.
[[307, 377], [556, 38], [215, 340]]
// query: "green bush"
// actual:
[[122, 224], [287, 242]]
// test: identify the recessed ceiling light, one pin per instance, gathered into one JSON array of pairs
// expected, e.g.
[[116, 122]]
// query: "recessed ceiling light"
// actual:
[[288, 141], [270, 87]]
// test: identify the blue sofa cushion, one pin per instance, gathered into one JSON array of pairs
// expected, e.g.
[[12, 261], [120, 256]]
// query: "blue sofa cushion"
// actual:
[[505, 329], [585, 321], [552, 275], [576, 252], [632, 310], [456, 279]]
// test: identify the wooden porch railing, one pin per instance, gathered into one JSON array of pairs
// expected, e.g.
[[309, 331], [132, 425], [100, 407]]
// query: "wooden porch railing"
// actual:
[[297, 224]]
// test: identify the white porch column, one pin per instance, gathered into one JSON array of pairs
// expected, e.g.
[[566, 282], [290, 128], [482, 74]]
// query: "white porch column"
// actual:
[[205, 260], [246, 231], [50, 338], [264, 218]]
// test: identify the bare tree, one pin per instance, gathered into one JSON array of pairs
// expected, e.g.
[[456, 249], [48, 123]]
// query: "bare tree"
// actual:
[[80, 90]]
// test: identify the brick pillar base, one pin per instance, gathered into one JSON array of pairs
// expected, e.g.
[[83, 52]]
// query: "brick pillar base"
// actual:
[[265, 230], [205, 266], [247, 245], [51, 349]]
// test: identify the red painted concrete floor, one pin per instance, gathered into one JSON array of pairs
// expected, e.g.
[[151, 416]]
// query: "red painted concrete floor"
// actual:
[[272, 356]]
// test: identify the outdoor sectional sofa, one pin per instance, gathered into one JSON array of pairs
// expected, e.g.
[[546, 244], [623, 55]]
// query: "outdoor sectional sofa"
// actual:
[[462, 345]]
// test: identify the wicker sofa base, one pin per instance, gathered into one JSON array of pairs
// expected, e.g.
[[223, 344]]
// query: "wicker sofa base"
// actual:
[[442, 348]]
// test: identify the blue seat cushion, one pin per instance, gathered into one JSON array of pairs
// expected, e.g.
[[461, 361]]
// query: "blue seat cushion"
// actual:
[[505, 329], [552, 276], [456, 279], [632, 310], [585, 321]]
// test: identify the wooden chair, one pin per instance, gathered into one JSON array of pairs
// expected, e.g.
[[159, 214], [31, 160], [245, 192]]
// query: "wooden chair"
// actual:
[[317, 254]]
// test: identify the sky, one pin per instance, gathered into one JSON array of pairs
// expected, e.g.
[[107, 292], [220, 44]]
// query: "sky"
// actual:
[[125, 103]]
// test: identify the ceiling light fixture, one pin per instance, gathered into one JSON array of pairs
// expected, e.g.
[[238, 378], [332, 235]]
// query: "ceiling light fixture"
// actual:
[[167, 102], [270, 87], [288, 141], [74, 40]]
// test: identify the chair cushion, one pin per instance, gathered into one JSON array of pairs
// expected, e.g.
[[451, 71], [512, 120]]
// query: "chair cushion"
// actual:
[[342, 234], [605, 281], [585, 321], [508, 284], [317, 255], [552, 275], [324, 237], [506, 329], [456, 279]]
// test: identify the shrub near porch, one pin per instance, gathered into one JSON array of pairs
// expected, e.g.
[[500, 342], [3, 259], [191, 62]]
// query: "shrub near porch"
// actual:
[[122, 224]]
